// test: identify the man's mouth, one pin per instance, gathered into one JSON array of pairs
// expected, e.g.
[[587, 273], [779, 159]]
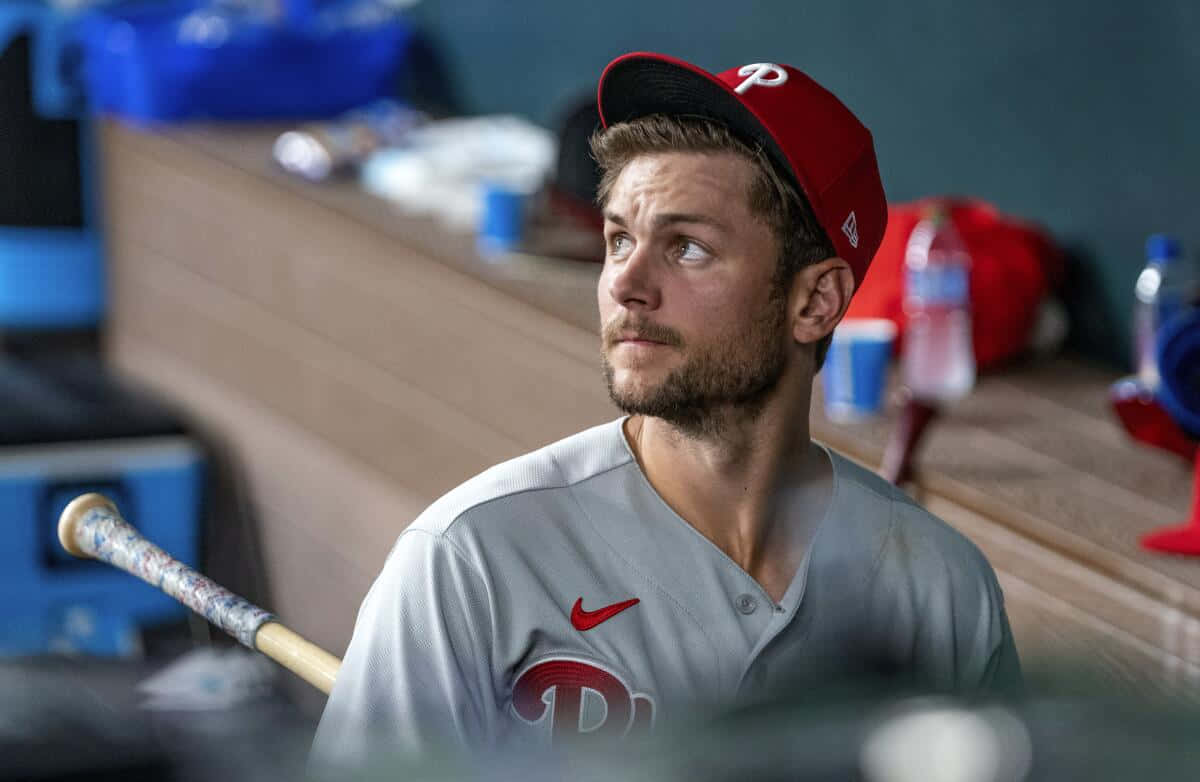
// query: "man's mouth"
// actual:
[[647, 335]]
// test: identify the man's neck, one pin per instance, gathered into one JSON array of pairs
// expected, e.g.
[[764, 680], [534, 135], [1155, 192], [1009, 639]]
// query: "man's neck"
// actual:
[[756, 488]]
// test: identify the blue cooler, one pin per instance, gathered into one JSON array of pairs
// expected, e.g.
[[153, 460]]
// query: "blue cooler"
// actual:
[[67, 427]]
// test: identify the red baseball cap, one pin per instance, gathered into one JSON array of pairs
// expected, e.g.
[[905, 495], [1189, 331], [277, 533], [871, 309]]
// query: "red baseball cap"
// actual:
[[806, 131]]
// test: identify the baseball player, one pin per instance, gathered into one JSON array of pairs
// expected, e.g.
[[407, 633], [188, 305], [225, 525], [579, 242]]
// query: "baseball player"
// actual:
[[701, 548]]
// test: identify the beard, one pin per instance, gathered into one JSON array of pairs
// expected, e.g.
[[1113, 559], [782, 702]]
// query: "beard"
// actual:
[[731, 378]]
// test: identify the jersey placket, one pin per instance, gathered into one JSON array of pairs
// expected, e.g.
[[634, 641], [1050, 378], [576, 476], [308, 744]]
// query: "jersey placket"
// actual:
[[774, 620]]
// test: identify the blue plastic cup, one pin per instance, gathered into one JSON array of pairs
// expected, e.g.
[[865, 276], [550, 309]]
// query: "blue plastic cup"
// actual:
[[855, 371], [502, 221]]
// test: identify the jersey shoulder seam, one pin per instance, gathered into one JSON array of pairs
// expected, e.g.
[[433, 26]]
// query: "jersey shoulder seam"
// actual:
[[459, 554], [565, 484], [454, 547], [887, 538], [890, 497]]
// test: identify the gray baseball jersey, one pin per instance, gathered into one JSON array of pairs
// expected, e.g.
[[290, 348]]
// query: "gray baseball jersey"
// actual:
[[557, 594]]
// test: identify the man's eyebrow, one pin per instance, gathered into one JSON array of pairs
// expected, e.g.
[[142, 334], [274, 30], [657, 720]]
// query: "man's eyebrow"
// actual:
[[670, 218]]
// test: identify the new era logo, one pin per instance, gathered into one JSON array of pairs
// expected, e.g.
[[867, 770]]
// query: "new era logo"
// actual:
[[850, 228]]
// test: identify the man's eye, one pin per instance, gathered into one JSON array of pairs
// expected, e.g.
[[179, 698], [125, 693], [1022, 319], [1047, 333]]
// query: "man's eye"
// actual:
[[618, 245], [691, 251]]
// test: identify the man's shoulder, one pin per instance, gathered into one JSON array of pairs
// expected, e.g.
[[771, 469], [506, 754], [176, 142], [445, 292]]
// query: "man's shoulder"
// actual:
[[913, 535], [530, 478]]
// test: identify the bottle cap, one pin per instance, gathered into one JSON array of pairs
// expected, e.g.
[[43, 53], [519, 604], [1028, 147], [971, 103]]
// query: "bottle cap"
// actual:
[[1163, 247]]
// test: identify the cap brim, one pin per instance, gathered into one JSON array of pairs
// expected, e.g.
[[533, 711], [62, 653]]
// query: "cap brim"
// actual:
[[643, 83]]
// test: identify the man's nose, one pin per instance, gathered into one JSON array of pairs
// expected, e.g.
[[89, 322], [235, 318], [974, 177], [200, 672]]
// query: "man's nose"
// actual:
[[633, 284]]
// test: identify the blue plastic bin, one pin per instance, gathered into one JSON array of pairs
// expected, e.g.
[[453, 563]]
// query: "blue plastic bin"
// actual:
[[186, 60]]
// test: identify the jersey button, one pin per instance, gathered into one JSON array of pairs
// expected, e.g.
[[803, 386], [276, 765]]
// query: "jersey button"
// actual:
[[746, 604]]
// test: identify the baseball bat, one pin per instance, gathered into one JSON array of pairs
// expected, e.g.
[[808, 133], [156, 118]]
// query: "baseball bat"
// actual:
[[91, 526]]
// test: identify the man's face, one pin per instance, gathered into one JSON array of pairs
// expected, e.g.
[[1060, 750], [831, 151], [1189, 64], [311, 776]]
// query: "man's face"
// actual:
[[692, 321]]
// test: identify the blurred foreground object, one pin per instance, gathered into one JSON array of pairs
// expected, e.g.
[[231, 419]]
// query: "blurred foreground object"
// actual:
[[87, 720], [182, 59], [55, 727], [871, 732], [208, 679], [940, 740], [1178, 360], [68, 722]]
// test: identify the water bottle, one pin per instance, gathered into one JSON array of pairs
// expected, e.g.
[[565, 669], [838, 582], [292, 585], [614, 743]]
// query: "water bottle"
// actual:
[[1164, 287], [938, 363]]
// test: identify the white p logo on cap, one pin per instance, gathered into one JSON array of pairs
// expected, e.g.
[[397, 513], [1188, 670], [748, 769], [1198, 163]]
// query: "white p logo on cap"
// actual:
[[766, 74]]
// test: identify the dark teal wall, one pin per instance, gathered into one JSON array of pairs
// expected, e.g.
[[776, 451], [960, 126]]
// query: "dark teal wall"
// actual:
[[1084, 116]]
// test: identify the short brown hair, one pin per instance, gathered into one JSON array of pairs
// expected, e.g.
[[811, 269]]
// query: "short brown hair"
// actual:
[[772, 197]]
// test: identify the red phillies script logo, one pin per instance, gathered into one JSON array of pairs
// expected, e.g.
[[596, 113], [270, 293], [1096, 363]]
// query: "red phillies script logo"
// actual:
[[555, 690], [586, 620]]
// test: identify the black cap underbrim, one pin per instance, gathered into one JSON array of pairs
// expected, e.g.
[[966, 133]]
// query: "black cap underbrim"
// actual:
[[638, 86]]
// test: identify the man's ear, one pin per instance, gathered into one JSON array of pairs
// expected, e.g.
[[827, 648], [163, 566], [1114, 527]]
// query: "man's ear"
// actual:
[[820, 295]]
